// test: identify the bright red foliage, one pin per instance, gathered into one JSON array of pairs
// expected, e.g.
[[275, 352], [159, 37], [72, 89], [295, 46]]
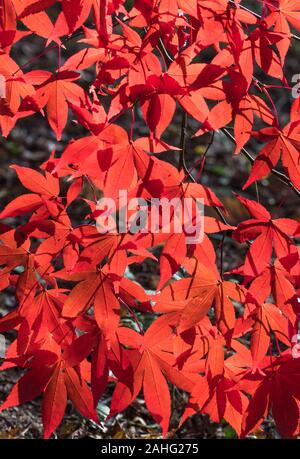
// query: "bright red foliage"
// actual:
[[227, 343]]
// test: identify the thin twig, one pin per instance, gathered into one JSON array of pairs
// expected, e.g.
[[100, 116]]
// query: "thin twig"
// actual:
[[203, 159], [163, 49], [258, 16], [221, 215]]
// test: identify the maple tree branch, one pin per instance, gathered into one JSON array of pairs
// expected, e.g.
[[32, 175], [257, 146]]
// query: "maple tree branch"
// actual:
[[282, 177], [184, 124], [203, 159], [182, 163]]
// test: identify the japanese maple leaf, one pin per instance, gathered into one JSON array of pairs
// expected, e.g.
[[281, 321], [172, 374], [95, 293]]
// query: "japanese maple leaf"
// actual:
[[197, 82], [97, 287], [159, 92], [10, 321], [58, 377], [35, 6], [38, 22], [14, 89], [96, 246], [8, 24], [111, 247], [267, 318], [164, 181], [61, 240], [75, 11], [8, 15], [168, 10], [280, 143], [257, 46], [241, 108], [173, 183], [216, 394], [278, 391], [14, 252], [94, 288], [11, 256], [283, 13], [224, 401], [54, 92], [175, 247], [103, 155], [43, 315], [45, 190], [191, 298], [276, 280], [266, 233], [262, 42], [132, 64], [152, 364]]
